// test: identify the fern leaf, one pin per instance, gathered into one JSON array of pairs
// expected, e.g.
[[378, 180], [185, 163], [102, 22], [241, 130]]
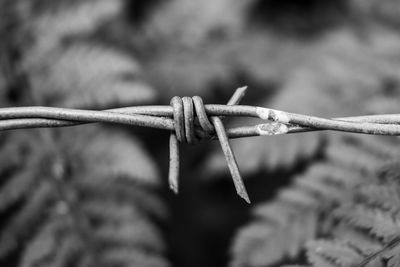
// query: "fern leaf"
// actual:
[[116, 152], [277, 212], [79, 73], [385, 12], [355, 238], [267, 154], [136, 233], [15, 231], [339, 254], [102, 212], [78, 194], [318, 85], [386, 148], [381, 224], [16, 188], [382, 196], [389, 173], [320, 189], [85, 76], [19, 169], [347, 155], [133, 258], [377, 262], [298, 197], [263, 243], [2, 85], [199, 19], [325, 77], [393, 257], [368, 227], [145, 200], [42, 249], [15, 149], [315, 193], [198, 44], [67, 251], [55, 245], [247, 249], [318, 260], [56, 23]]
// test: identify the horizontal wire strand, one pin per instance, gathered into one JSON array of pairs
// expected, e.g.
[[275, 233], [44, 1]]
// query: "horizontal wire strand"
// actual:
[[190, 120], [160, 117]]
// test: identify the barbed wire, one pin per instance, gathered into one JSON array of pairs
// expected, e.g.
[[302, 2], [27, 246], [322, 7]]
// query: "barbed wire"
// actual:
[[189, 120]]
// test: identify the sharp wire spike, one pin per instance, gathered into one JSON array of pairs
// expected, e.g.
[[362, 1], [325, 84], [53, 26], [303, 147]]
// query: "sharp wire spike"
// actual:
[[237, 96], [173, 174], [175, 137], [230, 159], [227, 149], [183, 115]]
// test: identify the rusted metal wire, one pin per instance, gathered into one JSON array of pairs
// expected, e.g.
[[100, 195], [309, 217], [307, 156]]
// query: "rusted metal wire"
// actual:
[[189, 120], [227, 149], [184, 110]]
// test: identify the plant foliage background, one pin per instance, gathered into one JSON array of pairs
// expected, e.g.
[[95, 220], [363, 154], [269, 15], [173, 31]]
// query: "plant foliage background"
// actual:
[[96, 195]]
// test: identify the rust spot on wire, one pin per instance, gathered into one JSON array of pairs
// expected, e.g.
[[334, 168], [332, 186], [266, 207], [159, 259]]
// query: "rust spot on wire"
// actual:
[[272, 128]]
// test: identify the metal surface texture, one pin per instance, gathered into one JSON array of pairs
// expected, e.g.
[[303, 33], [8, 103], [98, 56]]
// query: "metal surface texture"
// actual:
[[190, 121]]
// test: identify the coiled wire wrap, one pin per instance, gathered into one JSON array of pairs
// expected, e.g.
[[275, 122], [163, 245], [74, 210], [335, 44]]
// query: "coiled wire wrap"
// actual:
[[185, 112]]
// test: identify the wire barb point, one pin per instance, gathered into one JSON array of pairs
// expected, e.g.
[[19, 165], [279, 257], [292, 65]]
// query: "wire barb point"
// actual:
[[227, 149], [173, 174], [237, 96], [243, 194]]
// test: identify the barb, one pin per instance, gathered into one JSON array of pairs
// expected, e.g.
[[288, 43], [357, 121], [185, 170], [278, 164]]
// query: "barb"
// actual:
[[190, 121], [227, 149], [184, 111]]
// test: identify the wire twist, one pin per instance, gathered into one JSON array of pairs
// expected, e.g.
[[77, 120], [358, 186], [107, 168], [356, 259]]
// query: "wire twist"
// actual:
[[190, 121], [185, 112]]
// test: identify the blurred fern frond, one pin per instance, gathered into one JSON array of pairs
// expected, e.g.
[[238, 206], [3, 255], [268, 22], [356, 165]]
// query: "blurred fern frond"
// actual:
[[339, 74], [302, 212], [368, 233], [83, 196], [88, 76], [55, 21], [65, 69], [87, 196], [82, 204]]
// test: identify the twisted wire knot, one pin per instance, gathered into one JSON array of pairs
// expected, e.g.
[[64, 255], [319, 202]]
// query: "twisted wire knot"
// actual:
[[191, 123], [190, 119]]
